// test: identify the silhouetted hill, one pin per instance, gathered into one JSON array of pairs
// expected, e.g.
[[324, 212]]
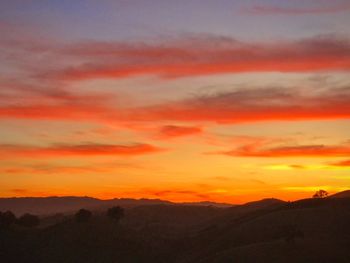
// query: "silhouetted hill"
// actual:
[[259, 235], [238, 212], [269, 230], [343, 194], [67, 204], [170, 219], [148, 233]]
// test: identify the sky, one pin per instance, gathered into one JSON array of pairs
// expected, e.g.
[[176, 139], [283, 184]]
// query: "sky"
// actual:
[[226, 101]]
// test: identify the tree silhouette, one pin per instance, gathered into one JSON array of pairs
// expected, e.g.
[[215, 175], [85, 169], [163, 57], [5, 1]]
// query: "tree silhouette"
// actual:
[[83, 215], [7, 218], [116, 213], [320, 194], [28, 220]]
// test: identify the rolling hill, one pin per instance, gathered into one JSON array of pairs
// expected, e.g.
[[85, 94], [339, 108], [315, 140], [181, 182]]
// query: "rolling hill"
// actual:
[[343, 194], [269, 230]]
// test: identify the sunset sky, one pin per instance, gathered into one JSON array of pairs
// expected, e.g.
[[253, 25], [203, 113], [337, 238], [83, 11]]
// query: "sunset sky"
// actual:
[[187, 100]]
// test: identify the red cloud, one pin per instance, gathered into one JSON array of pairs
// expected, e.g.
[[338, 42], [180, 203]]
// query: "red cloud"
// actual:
[[240, 106], [252, 106], [53, 112], [76, 150], [290, 151], [169, 131], [189, 55], [44, 97], [197, 55], [203, 56]]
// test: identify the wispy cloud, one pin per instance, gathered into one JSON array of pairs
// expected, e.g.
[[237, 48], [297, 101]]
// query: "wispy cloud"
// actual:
[[46, 168], [252, 105], [177, 193], [13, 151], [239, 106], [203, 55], [328, 167], [181, 56], [173, 131], [44, 93], [290, 151]]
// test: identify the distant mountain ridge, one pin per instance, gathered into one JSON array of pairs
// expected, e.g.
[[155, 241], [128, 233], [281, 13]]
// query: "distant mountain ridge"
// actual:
[[67, 204]]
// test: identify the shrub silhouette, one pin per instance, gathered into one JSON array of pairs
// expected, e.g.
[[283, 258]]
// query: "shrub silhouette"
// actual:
[[320, 194], [83, 215], [7, 218], [116, 213], [28, 220]]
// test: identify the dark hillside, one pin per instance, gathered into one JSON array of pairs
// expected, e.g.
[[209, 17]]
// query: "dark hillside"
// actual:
[[344, 194], [263, 234], [270, 230]]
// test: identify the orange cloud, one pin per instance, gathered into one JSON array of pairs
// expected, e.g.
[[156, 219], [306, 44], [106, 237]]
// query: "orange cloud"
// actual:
[[53, 170], [169, 131], [7, 151], [50, 168], [290, 151], [177, 193], [345, 163]]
